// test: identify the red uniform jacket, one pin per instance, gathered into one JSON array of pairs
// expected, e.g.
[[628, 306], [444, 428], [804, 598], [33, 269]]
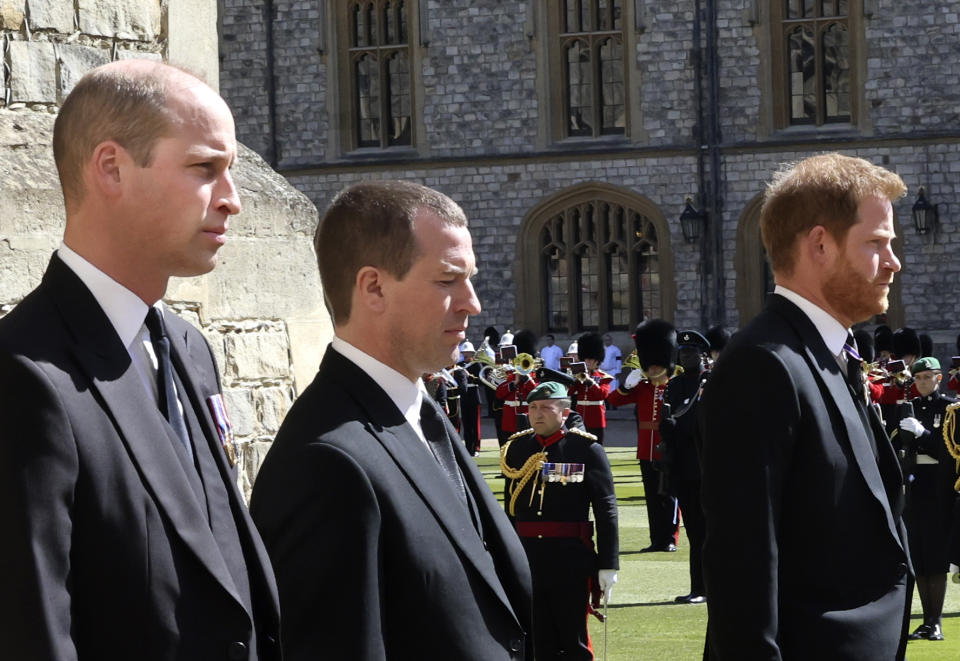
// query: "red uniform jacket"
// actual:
[[590, 400], [514, 401], [648, 399]]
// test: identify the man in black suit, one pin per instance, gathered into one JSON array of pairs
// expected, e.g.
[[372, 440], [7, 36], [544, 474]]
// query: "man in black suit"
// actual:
[[806, 554], [386, 540], [125, 535]]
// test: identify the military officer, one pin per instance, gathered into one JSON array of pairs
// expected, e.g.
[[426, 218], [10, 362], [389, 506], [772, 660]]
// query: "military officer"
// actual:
[[678, 433], [930, 493], [554, 476]]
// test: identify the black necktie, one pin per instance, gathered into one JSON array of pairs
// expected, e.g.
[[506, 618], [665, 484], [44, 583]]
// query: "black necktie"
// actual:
[[439, 443], [166, 392]]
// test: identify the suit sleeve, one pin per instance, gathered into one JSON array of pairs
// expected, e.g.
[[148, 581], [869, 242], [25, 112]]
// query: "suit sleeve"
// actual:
[[38, 473], [749, 416], [321, 527]]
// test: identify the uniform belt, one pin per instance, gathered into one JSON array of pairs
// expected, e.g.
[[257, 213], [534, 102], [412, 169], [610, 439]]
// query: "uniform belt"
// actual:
[[591, 402], [923, 459], [582, 530], [648, 425], [513, 402]]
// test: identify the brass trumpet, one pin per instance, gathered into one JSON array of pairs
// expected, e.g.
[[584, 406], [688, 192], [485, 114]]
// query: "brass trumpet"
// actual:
[[525, 363]]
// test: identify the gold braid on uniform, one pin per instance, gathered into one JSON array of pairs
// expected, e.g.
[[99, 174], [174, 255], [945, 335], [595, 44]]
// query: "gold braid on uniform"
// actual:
[[949, 437], [530, 469]]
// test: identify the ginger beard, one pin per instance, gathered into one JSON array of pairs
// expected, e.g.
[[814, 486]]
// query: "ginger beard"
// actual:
[[847, 290]]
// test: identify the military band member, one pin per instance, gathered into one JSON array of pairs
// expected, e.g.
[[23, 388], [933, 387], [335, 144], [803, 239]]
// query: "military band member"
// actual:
[[470, 399], [680, 438], [930, 493], [555, 476], [513, 392], [656, 342], [592, 388]]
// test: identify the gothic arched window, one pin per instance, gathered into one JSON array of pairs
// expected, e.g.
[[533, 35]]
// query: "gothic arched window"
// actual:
[[597, 258]]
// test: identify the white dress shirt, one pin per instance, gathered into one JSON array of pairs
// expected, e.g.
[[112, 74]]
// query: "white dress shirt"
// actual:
[[407, 395], [834, 333], [126, 312]]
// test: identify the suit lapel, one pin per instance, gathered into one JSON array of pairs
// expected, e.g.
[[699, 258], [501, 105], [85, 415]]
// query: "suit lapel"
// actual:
[[144, 432], [415, 461], [835, 388], [197, 353]]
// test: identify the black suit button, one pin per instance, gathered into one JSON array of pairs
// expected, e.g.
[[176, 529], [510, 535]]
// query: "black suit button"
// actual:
[[514, 645], [237, 651]]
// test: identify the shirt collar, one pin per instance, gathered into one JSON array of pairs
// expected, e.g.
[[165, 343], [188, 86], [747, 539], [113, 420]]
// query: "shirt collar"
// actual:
[[834, 333], [407, 395], [553, 438], [125, 310]]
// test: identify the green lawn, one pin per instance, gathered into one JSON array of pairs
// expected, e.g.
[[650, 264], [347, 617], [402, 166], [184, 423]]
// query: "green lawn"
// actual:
[[643, 622]]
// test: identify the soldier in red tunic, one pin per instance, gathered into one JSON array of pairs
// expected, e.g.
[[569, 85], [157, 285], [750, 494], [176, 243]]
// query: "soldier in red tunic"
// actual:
[[592, 386], [513, 392], [656, 342]]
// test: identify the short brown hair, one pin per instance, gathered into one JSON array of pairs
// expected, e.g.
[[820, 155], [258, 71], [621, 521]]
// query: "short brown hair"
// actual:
[[820, 190], [371, 224], [128, 107]]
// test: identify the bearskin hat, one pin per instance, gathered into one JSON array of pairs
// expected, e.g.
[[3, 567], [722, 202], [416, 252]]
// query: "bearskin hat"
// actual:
[[883, 339], [906, 342], [590, 345], [926, 346], [492, 335], [864, 340], [526, 342], [656, 342], [718, 336]]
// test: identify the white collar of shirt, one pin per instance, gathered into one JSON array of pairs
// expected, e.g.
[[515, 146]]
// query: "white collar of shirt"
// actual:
[[125, 310], [407, 395], [834, 333]]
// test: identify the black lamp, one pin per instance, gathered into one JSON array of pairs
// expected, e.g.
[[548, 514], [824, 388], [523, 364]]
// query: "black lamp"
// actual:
[[924, 214], [691, 221]]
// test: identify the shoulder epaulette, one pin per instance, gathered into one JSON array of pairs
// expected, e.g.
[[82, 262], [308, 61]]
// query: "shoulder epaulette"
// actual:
[[521, 434], [585, 434]]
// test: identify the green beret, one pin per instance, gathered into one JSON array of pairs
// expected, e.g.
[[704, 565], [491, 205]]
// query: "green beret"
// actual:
[[925, 364], [548, 390]]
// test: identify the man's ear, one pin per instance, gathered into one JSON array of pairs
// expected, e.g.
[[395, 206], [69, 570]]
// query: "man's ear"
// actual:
[[819, 245], [105, 168], [368, 292]]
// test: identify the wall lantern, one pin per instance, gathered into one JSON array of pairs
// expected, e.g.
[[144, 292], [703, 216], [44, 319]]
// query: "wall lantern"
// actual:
[[692, 221], [925, 215]]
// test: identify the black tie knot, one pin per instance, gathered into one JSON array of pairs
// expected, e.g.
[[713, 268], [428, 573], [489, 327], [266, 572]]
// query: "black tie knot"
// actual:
[[154, 323]]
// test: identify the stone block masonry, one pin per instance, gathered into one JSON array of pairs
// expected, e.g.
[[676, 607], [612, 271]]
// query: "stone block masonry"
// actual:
[[262, 308]]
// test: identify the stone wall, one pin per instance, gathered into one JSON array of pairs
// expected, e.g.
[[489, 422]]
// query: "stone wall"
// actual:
[[262, 307], [482, 107]]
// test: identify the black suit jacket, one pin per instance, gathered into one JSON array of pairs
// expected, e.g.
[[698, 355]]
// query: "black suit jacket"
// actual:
[[806, 554], [107, 553], [376, 557]]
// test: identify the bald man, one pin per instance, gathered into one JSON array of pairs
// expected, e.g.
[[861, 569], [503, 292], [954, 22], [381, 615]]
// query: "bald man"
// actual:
[[125, 535]]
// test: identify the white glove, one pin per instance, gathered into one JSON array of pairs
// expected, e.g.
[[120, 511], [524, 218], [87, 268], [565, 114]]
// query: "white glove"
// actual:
[[913, 426], [607, 577], [636, 376], [955, 573]]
